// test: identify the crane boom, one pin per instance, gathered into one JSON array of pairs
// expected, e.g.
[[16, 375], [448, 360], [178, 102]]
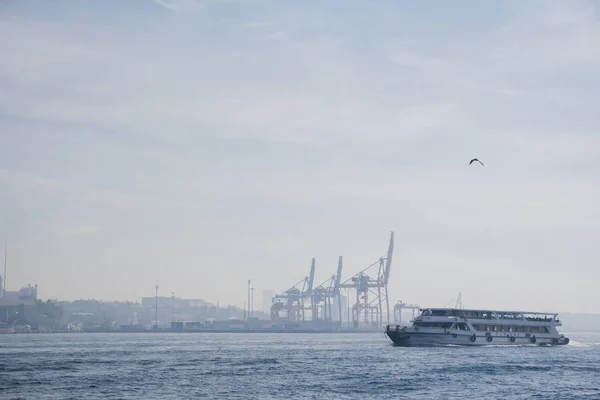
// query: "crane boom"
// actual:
[[338, 276], [311, 278], [388, 261]]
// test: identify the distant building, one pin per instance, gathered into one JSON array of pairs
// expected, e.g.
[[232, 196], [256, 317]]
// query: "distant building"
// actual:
[[198, 303], [267, 300], [26, 293], [164, 301], [30, 312]]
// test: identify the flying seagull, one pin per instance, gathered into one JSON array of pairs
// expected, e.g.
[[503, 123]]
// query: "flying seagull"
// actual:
[[475, 160]]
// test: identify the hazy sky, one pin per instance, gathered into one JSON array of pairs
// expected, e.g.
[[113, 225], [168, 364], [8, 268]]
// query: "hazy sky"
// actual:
[[197, 144]]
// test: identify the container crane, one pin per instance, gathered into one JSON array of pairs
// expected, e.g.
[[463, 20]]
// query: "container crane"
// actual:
[[369, 296]]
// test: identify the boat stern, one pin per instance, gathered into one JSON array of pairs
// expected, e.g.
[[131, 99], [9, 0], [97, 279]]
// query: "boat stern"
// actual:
[[562, 340], [398, 335]]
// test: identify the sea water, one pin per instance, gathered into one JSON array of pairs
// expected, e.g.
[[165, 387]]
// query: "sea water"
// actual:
[[288, 366]]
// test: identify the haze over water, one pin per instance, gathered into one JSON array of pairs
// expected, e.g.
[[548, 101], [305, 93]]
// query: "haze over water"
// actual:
[[288, 366], [198, 144]]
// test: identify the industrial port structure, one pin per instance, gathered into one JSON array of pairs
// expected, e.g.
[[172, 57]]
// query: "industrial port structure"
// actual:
[[321, 306], [358, 303]]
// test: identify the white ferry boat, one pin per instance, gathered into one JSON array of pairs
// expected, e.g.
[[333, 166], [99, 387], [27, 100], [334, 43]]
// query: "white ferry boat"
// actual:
[[447, 326]]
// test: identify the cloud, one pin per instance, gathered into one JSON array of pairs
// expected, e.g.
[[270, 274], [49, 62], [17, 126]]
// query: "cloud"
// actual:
[[288, 105], [61, 189], [189, 5], [195, 122]]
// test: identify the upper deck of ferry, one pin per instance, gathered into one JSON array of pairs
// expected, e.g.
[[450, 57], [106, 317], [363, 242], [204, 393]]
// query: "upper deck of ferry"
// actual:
[[490, 314]]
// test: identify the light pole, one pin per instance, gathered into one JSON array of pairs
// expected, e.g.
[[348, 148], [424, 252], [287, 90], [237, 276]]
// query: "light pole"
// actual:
[[248, 298], [252, 312], [173, 299], [156, 319], [4, 291]]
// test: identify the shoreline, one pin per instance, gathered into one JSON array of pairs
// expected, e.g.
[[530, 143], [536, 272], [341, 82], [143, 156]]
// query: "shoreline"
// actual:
[[238, 331]]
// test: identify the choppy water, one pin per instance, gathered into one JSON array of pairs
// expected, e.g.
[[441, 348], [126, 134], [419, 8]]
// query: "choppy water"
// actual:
[[288, 366]]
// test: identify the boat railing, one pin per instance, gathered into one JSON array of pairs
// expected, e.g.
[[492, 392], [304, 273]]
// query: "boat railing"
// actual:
[[395, 328], [539, 319]]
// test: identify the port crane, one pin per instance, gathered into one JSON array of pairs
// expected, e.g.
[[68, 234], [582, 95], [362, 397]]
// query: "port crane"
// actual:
[[325, 294], [291, 301], [368, 289]]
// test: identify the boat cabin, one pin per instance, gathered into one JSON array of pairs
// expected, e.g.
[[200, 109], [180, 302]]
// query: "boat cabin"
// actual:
[[516, 316]]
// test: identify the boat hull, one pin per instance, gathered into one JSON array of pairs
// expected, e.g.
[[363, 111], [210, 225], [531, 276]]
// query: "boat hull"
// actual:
[[423, 339]]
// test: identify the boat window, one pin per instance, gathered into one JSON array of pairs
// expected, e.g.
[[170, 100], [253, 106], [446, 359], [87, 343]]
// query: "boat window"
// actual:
[[422, 324], [521, 329], [463, 327], [546, 330]]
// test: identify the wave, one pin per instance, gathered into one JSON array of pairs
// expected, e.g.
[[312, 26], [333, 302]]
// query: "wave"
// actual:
[[494, 369], [573, 343], [257, 361]]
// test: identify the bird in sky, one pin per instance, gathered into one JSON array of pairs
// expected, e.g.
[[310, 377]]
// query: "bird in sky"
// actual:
[[473, 160]]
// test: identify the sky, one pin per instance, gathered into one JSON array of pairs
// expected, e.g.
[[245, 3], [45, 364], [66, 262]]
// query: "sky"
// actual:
[[199, 144]]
